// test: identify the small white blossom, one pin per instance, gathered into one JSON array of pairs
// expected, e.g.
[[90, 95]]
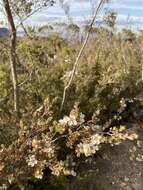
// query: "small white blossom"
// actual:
[[87, 149], [64, 121], [71, 121], [96, 127], [10, 179], [81, 119], [131, 100], [123, 102], [39, 174], [96, 139], [32, 161], [73, 173], [3, 187]]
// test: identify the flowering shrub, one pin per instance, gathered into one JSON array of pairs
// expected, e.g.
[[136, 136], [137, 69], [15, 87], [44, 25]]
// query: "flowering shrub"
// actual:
[[58, 146], [107, 87]]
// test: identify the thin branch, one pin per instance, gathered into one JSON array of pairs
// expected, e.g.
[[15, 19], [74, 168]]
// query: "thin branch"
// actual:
[[27, 80], [75, 66], [29, 15]]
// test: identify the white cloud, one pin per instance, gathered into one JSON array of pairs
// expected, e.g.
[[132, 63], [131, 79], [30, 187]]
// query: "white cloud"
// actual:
[[81, 9]]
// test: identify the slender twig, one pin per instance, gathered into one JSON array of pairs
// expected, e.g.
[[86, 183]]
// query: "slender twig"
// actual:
[[81, 52], [29, 15]]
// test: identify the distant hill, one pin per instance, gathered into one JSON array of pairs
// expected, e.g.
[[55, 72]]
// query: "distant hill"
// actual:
[[4, 32]]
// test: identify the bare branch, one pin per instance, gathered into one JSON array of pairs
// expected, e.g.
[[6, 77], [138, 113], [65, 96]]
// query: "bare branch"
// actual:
[[28, 16], [75, 66]]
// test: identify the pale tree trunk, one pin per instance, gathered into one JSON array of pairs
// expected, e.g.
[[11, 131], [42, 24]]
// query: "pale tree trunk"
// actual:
[[12, 31], [142, 72]]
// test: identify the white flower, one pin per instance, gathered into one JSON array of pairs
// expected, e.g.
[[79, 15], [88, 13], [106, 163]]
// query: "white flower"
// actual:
[[123, 102], [32, 161], [131, 100], [39, 174], [81, 119], [11, 178], [3, 187], [96, 127], [93, 149], [87, 149], [1, 150], [64, 121], [80, 146], [73, 173], [96, 139], [71, 121]]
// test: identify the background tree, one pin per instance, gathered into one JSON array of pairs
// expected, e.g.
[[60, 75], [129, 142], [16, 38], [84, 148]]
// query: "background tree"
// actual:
[[22, 9], [13, 61], [110, 19]]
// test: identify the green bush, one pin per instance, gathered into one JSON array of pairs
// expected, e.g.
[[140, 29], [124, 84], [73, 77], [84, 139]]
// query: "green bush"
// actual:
[[105, 93]]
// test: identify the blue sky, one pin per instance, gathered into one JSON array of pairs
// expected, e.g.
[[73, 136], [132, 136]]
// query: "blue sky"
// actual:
[[130, 12]]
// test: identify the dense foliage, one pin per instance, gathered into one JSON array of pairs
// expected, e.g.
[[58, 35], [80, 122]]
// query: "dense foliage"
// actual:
[[105, 93]]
